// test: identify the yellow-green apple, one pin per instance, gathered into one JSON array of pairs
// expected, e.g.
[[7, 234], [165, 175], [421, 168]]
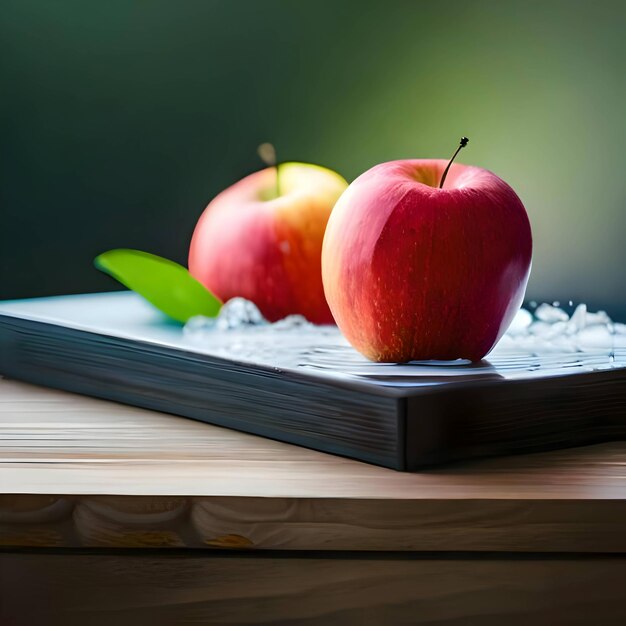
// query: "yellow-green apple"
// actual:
[[263, 241], [413, 270]]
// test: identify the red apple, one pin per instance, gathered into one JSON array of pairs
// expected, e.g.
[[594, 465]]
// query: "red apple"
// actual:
[[412, 271], [252, 242]]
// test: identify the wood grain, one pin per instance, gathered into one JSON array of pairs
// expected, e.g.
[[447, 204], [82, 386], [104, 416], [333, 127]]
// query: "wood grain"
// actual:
[[79, 472], [53, 442], [132, 590]]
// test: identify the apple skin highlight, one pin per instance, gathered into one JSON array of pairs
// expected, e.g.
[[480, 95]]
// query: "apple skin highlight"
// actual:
[[414, 272], [253, 244]]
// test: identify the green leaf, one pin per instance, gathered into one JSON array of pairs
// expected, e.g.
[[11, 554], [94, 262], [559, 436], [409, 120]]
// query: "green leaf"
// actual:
[[166, 285]]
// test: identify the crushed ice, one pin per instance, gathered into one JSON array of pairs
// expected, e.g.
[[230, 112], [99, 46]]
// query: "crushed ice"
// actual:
[[548, 328], [551, 328], [240, 314]]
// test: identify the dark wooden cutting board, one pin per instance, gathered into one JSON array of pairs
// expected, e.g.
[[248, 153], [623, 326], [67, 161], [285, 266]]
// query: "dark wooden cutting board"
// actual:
[[307, 386]]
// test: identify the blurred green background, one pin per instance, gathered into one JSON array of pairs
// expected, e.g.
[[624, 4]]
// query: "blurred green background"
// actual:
[[121, 119]]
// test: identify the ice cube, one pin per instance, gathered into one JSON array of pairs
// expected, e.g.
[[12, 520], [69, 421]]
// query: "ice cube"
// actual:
[[550, 313], [548, 331], [292, 322], [579, 318], [239, 313], [600, 317]]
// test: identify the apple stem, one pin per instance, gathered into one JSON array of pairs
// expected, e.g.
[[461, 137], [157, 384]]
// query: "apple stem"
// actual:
[[464, 141], [267, 152]]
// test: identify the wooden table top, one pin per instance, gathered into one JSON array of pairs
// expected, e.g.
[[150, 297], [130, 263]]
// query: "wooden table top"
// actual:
[[76, 471]]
